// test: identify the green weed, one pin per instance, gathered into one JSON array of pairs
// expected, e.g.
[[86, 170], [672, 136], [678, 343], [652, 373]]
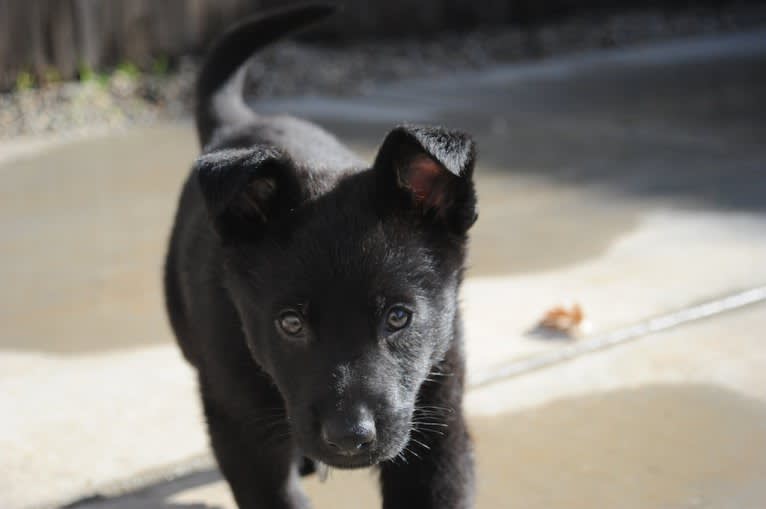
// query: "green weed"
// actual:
[[25, 80]]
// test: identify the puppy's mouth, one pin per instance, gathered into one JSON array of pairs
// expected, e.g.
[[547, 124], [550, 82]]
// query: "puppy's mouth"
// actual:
[[349, 462], [367, 458]]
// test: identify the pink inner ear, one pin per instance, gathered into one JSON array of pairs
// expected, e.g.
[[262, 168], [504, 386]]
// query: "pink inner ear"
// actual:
[[421, 176]]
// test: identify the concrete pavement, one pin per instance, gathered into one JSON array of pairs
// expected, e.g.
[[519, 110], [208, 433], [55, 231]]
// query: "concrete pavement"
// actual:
[[676, 420], [633, 182]]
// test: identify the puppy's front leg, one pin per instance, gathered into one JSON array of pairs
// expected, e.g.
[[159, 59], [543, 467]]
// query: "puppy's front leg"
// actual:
[[436, 469], [260, 467]]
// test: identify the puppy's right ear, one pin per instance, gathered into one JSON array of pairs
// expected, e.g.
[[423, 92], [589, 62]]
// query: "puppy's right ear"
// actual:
[[245, 188]]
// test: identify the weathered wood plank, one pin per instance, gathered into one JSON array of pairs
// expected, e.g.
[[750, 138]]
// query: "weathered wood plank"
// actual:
[[39, 34]]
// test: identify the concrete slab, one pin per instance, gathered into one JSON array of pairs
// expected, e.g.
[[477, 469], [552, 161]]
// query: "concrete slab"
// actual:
[[631, 182], [84, 225], [677, 420]]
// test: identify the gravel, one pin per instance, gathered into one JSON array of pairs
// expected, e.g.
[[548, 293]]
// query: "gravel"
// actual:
[[293, 68]]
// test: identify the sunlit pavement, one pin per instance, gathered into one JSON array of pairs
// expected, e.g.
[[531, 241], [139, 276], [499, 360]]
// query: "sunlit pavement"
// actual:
[[632, 182]]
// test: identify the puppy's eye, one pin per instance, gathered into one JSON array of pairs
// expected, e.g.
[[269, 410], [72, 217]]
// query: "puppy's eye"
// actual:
[[291, 323], [397, 318]]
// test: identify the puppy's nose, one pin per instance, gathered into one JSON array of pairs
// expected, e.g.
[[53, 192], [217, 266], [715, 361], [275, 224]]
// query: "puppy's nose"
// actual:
[[349, 435]]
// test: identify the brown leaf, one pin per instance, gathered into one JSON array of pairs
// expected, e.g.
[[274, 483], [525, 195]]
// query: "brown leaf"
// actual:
[[562, 319]]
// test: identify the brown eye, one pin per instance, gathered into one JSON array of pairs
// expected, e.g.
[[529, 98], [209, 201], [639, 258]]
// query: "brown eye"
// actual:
[[290, 323], [398, 318]]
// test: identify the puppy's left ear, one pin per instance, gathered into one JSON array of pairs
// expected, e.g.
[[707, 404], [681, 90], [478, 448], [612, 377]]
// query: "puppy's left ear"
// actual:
[[432, 169]]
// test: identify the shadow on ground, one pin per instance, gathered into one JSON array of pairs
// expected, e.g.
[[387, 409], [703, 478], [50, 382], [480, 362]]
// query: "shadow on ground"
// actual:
[[157, 496], [682, 123]]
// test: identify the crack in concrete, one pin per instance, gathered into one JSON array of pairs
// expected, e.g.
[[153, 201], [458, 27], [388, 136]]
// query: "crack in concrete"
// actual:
[[622, 335]]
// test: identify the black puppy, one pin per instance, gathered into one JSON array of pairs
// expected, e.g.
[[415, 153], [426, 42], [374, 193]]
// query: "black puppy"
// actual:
[[317, 297]]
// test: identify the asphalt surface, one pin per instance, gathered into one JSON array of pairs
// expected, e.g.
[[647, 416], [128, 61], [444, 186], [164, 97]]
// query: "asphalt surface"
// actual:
[[633, 182]]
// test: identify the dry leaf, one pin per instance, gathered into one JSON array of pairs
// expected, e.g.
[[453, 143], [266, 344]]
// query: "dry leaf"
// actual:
[[561, 319]]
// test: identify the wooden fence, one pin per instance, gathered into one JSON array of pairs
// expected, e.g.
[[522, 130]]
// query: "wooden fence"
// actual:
[[66, 35]]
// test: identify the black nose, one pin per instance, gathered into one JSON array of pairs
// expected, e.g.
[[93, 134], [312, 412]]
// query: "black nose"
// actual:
[[349, 434]]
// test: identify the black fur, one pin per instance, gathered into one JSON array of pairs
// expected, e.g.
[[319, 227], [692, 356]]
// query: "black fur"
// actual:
[[317, 297]]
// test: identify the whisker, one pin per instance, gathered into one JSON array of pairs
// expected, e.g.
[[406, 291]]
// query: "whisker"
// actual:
[[435, 407], [427, 431], [428, 448], [413, 452], [433, 423]]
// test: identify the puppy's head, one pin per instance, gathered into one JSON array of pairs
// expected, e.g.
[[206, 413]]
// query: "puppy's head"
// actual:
[[347, 293]]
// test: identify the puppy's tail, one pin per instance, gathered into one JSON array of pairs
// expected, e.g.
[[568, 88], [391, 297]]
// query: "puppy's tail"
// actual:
[[219, 98]]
